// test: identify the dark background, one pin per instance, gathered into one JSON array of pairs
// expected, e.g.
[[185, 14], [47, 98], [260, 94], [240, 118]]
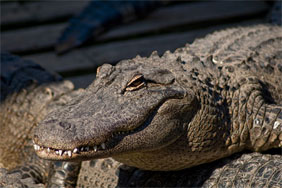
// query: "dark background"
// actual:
[[31, 29]]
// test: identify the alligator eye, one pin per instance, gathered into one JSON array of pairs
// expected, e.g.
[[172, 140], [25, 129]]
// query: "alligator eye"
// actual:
[[135, 83]]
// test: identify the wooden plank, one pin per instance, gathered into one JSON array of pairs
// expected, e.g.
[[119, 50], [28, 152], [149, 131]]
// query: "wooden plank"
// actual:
[[91, 57], [39, 11], [82, 81], [75, 60], [189, 14], [31, 39]]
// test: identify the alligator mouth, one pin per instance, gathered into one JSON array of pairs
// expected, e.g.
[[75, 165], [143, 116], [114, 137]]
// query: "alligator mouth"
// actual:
[[82, 151], [102, 150]]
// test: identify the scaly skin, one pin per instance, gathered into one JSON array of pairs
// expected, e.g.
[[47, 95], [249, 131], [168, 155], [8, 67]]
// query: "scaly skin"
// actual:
[[17, 153], [220, 95], [20, 113], [28, 93], [247, 170], [101, 175]]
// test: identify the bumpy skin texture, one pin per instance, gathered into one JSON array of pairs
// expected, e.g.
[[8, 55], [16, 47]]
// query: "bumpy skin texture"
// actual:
[[20, 113], [250, 170], [15, 180], [196, 175], [28, 93], [220, 95], [247, 170], [63, 174], [17, 73]]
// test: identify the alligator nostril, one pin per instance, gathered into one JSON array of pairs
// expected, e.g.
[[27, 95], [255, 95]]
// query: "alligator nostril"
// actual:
[[50, 121], [35, 137], [65, 125]]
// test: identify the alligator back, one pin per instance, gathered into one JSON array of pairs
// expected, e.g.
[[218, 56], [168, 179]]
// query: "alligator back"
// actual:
[[28, 93], [238, 53]]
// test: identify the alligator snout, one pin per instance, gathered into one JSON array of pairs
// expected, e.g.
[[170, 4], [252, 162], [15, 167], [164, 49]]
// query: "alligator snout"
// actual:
[[54, 132]]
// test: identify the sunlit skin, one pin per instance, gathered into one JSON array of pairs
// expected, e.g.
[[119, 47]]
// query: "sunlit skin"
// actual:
[[176, 111]]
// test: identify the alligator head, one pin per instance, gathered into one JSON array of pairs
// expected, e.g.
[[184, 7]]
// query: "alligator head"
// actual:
[[132, 107]]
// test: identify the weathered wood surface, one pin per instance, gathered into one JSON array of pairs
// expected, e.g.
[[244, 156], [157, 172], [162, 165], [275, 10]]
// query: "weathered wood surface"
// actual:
[[88, 59], [94, 56], [37, 27], [31, 39], [14, 14], [191, 15], [82, 81]]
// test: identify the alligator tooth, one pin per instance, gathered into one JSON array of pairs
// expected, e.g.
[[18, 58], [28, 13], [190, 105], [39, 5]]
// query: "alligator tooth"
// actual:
[[61, 152], [95, 148], [57, 152], [103, 146], [82, 148], [36, 147], [69, 153], [48, 150], [86, 148], [276, 124], [75, 150]]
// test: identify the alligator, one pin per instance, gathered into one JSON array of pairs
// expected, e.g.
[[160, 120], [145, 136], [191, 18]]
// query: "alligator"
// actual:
[[206, 101], [247, 170], [253, 168], [28, 94]]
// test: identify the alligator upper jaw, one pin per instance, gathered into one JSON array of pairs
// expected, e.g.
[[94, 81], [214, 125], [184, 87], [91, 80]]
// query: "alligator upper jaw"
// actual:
[[106, 147], [87, 151]]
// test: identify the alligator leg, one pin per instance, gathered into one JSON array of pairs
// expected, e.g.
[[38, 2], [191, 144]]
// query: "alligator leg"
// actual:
[[256, 117], [266, 129], [33, 173], [64, 174]]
